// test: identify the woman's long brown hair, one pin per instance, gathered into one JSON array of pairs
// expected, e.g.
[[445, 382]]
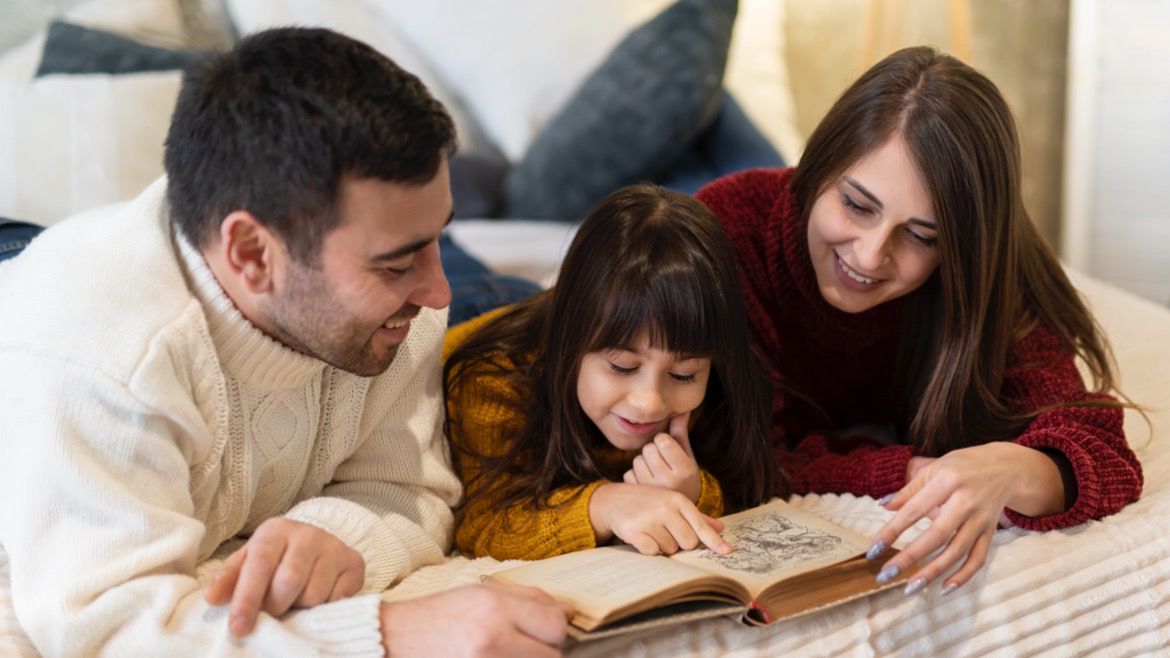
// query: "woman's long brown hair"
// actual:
[[645, 259], [997, 278]]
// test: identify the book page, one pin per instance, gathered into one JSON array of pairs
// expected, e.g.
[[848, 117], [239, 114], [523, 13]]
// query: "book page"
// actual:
[[602, 579], [776, 541]]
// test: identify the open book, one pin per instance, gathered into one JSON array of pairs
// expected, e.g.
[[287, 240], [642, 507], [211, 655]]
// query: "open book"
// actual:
[[785, 562]]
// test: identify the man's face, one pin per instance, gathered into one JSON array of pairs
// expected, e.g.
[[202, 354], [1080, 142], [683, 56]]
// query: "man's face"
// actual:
[[375, 270]]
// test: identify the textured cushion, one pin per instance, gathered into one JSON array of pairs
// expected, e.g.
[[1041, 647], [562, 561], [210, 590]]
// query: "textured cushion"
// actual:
[[75, 49], [514, 64], [477, 184], [632, 118], [73, 142], [362, 21]]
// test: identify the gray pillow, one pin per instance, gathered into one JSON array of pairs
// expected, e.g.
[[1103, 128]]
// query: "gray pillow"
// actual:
[[632, 117], [72, 48]]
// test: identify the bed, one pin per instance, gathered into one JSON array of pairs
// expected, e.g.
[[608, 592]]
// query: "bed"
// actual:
[[1102, 588]]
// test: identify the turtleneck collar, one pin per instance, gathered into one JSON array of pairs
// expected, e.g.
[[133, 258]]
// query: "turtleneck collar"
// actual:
[[246, 353]]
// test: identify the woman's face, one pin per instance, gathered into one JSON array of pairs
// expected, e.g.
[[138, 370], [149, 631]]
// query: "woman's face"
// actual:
[[632, 394], [872, 232]]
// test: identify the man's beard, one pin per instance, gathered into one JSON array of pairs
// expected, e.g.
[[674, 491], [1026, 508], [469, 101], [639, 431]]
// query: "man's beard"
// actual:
[[309, 319]]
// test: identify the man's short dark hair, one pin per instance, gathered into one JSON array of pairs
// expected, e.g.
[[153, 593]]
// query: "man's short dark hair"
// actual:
[[273, 125]]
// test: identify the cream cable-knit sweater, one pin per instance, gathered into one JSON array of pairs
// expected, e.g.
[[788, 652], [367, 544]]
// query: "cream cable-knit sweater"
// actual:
[[144, 422]]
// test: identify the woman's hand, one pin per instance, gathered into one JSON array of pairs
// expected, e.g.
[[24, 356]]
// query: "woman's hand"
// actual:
[[964, 493], [668, 462], [652, 519]]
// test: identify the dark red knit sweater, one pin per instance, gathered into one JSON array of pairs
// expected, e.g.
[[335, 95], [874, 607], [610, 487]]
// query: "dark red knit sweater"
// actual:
[[843, 362]]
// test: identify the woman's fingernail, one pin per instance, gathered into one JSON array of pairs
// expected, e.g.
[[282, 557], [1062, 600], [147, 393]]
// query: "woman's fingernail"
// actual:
[[888, 573], [875, 549], [914, 586], [884, 500], [949, 587]]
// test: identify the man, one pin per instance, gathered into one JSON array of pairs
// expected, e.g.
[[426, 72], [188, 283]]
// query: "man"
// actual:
[[248, 349]]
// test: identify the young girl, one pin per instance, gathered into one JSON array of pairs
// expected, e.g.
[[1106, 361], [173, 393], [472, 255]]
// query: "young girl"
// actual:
[[623, 404], [919, 333]]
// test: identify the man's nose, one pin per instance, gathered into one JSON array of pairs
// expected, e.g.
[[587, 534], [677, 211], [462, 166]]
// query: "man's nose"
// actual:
[[432, 290]]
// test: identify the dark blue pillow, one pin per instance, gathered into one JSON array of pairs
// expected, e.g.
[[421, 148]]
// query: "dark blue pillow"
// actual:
[[75, 49], [632, 117]]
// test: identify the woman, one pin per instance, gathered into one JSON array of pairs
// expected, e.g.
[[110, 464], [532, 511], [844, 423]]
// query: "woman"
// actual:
[[919, 333]]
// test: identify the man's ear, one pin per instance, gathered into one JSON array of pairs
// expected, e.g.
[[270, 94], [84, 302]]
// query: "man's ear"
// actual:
[[250, 250]]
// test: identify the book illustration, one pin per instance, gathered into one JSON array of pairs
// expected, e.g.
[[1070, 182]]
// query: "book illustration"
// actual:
[[774, 542]]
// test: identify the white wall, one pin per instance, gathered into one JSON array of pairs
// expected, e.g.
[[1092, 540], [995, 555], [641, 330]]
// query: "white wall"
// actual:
[[1117, 176]]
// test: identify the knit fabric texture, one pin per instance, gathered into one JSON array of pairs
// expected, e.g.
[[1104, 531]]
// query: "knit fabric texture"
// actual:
[[840, 364], [486, 412], [147, 422]]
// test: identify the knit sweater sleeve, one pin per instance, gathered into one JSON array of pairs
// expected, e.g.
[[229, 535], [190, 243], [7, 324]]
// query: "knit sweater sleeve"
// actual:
[[1108, 476], [390, 498], [863, 468], [484, 416], [100, 532], [710, 495]]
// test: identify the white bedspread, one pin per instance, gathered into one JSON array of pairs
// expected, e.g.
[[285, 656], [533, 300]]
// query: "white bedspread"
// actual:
[[1102, 588]]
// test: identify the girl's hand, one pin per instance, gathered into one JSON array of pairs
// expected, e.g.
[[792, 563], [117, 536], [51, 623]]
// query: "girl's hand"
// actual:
[[652, 519], [668, 462], [965, 492]]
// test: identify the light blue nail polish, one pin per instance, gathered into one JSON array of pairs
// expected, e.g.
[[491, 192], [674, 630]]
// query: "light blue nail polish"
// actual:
[[949, 587], [888, 573], [914, 586], [884, 500], [875, 549]]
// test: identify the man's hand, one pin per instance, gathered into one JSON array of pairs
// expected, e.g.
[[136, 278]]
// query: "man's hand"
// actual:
[[652, 519], [669, 462], [285, 564], [476, 620]]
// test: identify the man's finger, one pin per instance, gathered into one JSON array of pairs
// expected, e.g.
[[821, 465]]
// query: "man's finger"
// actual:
[[255, 575], [290, 580], [543, 621], [219, 592]]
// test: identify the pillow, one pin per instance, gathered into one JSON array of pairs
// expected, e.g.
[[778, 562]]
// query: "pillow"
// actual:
[[477, 184], [75, 49], [71, 143], [360, 21], [632, 118], [514, 64]]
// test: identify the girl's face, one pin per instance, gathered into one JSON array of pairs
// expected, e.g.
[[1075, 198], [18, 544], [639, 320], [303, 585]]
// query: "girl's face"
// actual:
[[632, 394], [872, 233]]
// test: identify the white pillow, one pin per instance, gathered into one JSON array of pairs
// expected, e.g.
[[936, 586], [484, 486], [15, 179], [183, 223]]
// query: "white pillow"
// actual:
[[357, 19], [515, 64], [757, 75], [73, 142], [155, 21]]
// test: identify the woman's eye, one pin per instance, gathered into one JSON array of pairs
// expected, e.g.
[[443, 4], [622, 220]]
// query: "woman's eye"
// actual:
[[619, 369], [683, 378], [853, 205], [921, 239]]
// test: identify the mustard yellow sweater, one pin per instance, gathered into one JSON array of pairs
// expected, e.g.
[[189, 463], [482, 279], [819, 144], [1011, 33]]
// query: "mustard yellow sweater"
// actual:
[[485, 409]]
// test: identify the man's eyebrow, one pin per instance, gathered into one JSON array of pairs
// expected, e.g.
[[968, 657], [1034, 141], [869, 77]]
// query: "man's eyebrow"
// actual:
[[410, 247]]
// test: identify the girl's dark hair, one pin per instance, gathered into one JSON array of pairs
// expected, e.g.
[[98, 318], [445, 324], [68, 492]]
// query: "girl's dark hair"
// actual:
[[997, 278], [645, 259], [274, 125]]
